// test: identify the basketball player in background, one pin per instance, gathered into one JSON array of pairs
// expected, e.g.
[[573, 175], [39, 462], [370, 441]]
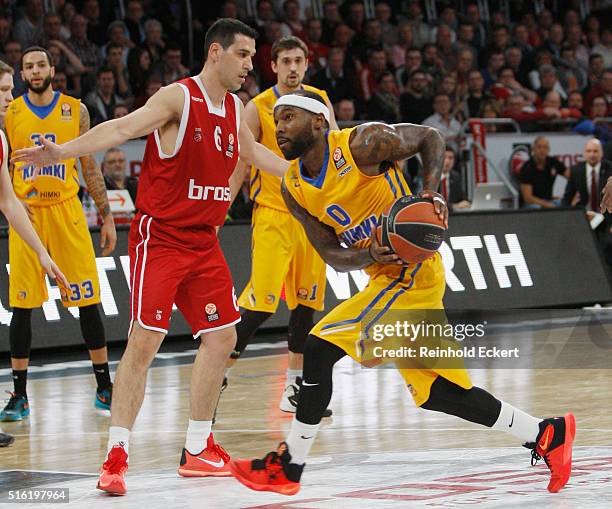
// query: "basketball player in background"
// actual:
[[196, 128], [57, 215], [322, 196], [281, 253], [11, 207]]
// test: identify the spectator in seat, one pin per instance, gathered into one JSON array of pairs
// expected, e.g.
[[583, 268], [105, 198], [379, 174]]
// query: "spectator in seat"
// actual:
[[574, 37], [599, 108], [549, 82], [263, 57], [553, 100], [114, 61], [120, 110], [604, 46], [555, 40], [442, 119], [153, 85], [96, 24], [368, 41], [384, 104], [575, 101], [12, 56], [451, 185], [134, 14], [527, 114], [153, 39], [415, 105], [317, 51], [537, 176], [293, 23], [383, 13], [171, 69], [86, 50], [331, 19], [139, 69], [371, 73], [472, 15], [345, 110], [334, 78], [60, 83], [489, 109], [356, 16], [101, 101], [6, 28], [495, 62], [28, 30], [602, 89], [413, 62], [343, 35], [508, 85], [114, 169], [399, 50], [476, 94], [118, 36]]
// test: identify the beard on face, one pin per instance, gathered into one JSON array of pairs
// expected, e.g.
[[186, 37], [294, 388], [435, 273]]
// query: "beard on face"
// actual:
[[299, 145], [41, 88]]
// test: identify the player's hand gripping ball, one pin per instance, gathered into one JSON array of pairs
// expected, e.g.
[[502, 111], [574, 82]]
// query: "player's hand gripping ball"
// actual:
[[412, 228]]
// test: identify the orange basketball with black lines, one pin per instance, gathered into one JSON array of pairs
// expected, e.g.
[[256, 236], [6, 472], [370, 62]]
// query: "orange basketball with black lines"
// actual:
[[411, 228]]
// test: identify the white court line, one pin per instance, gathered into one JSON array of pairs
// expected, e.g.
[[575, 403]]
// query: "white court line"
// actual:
[[47, 471], [336, 429]]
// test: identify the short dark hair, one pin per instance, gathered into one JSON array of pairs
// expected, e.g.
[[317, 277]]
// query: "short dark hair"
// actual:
[[112, 45], [287, 43], [224, 31], [103, 70], [172, 46], [32, 49]]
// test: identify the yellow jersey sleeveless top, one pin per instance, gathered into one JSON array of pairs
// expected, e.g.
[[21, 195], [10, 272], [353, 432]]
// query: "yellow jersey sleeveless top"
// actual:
[[58, 122], [343, 197]]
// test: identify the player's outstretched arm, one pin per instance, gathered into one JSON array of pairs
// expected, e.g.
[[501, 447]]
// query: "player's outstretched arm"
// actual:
[[374, 143], [325, 241], [250, 117], [164, 106], [256, 154], [17, 217]]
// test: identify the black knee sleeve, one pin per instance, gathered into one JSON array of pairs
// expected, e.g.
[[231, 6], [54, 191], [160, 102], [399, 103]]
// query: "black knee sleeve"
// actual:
[[20, 333], [474, 405], [300, 324], [91, 327], [316, 391], [249, 322]]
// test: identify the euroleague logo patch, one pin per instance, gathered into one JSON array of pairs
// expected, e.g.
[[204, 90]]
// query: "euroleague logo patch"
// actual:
[[197, 135], [339, 160], [211, 312], [66, 111]]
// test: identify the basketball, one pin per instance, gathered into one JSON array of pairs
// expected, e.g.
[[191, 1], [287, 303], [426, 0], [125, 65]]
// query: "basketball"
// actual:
[[411, 228]]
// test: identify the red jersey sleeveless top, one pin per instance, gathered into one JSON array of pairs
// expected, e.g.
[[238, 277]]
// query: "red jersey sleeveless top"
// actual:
[[189, 188]]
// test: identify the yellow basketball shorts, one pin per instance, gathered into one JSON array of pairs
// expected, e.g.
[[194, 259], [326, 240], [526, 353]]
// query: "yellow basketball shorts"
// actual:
[[415, 290], [63, 230], [281, 253]]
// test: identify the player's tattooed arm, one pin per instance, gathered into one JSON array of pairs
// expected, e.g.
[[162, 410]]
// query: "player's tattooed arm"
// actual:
[[97, 190], [375, 143], [91, 171], [325, 241]]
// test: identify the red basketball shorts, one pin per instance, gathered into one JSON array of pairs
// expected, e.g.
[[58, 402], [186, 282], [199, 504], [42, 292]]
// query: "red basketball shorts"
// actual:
[[182, 266]]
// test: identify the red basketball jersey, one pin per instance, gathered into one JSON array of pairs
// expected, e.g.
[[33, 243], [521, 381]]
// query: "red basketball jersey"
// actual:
[[190, 187]]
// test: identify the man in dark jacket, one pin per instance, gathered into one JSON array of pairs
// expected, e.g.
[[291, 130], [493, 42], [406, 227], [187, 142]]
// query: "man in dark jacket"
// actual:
[[114, 168]]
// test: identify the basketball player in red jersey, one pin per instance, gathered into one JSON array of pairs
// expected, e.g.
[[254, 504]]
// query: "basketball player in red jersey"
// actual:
[[195, 130], [12, 208]]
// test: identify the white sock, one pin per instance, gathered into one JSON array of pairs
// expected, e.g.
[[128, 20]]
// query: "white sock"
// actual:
[[292, 374], [227, 372], [300, 440], [518, 423], [118, 436], [197, 434]]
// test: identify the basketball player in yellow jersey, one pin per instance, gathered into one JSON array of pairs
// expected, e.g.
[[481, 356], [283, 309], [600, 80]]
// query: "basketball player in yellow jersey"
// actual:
[[53, 205], [281, 253], [338, 200], [12, 208]]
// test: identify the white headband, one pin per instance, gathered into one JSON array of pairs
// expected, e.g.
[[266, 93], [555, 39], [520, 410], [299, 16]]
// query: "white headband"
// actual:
[[305, 103]]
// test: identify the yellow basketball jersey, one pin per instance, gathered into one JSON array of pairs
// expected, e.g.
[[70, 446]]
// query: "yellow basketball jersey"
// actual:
[[58, 122], [265, 188], [344, 198]]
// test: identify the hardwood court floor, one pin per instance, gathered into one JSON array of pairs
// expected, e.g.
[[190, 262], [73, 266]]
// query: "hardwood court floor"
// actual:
[[377, 451]]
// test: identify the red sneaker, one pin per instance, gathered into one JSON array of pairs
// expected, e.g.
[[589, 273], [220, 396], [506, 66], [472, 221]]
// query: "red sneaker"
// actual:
[[554, 444], [212, 461], [113, 471], [274, 472]]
